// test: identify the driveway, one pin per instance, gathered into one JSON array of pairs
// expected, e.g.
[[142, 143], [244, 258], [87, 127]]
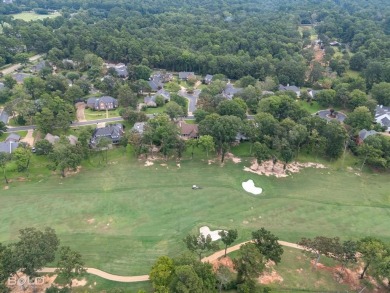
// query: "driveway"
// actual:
[[192, 98], [15, 67], [325, 114]]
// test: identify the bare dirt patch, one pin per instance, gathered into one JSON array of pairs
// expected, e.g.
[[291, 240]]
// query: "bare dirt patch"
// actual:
[[235, 160], [267, 168], [148, 163], [223, 261], [91, 221], [6, 187], [29, 139], [80, 114], [70, 172], [79, 283]]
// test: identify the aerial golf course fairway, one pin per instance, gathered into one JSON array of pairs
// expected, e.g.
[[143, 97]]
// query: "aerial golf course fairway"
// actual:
[[122, 216]]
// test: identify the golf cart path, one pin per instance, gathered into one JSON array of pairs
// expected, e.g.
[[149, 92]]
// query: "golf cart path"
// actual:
[[142, 278]]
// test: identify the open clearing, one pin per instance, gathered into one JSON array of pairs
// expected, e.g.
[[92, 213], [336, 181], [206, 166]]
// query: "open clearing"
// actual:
[[122, 216], [31, 16]]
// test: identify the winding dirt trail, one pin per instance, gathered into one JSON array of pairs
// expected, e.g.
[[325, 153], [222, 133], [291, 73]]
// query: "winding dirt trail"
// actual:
[[143, 278]]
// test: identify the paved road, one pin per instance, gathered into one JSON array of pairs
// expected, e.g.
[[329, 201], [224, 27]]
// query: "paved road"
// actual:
[[143, 278], [84, 123], [15, 67], [192, 98]]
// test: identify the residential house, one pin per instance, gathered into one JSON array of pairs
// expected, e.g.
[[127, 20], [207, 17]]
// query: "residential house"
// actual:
[[10, 143], [8, 1], [39, 66], [240, 137], [13, 137], [52, 138], [292, 88], [230, 91], [363, 134], [334, 43], [188, 131], [2, 86], [72, 139], [69, 64], [8, 146], [157, 80], [120, 68], [4, 116], [19, 77], [208, 79], [267, 93], [150, 101], [382, 116], [183, 75], [313, 93], [102, 103], [139, 127], [114, 132]]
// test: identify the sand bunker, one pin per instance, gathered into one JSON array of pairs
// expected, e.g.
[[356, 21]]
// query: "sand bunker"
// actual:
[[148, 163], [267, 168], [213, 234], [249, 186]]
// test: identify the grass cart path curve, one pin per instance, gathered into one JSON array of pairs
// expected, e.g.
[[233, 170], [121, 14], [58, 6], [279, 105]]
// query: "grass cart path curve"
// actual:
[[143, 278]]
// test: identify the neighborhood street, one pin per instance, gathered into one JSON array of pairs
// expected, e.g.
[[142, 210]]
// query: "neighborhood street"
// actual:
[[191, 97], [17, 66], [84, 123]]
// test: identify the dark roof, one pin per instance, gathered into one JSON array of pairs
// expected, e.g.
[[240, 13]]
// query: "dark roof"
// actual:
[[230, 91], [95, 102], [155, 85], [386, 121], [113, 132], [13, 137], [39, 66], [289, 88], [139, 127], [19, 77], [188, 130], [208, 77], [4, 116], [164, 93], [185, 75], [363, 134], [381, 110], [8, 146]]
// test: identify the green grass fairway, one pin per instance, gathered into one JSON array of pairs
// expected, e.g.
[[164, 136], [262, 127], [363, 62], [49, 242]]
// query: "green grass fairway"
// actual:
[[31, 16], [122, 216]]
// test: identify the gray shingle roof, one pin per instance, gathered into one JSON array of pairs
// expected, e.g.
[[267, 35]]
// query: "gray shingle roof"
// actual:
[[230, 91], [364, 133], [113, 132], [139, 127], [107, 101], [13, 137], [289, 88], [8, 146], [4, 116], [185, 74]]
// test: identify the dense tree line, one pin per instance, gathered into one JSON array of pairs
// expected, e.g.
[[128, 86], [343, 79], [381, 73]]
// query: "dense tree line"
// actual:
[[33, 251]]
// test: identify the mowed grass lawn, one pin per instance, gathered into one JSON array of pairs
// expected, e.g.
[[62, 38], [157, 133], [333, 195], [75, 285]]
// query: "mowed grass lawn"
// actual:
[[31, 16], [123, 216]]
